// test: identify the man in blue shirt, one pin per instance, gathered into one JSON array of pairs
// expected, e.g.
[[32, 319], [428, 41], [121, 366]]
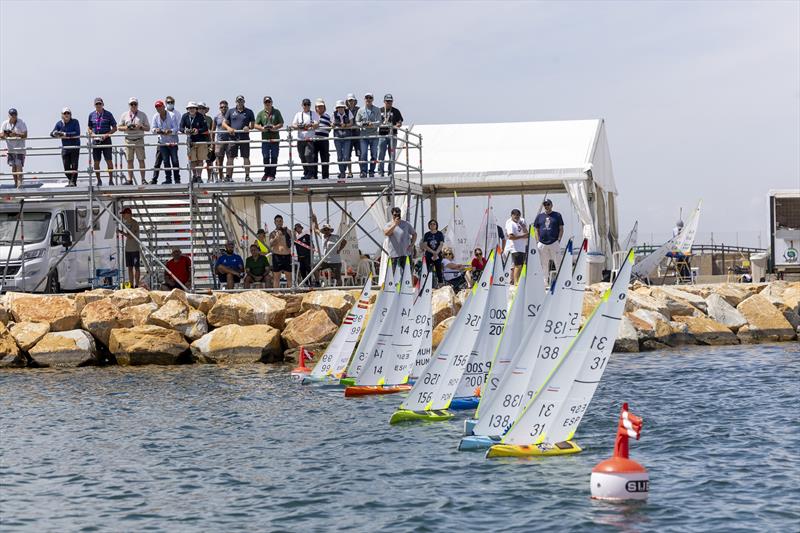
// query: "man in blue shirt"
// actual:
[[549, 230], [101, 127], [229, 266], [166, 124], [69, 131], [238, 122], [195, 126]]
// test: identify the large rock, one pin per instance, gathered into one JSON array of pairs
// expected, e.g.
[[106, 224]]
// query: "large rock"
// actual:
[[733, 294], [65, 349], [443, 304], [87, 297], [627, 337], [707, 331], [293, 303], [233, 344], [201, 302], [659, 328], [683, 296], [765, 323], [334, 302], [439, 332], [461, 299], [680, 334], [137, 315], [175, 314], [101, 316], [791, 297], [10, 355], [639, 300], [312, 327], [147, 345], [292, 355], [27, 334], [676, 306], [723, 312], [60, 312], [248, 308], [129, 297], [590, 300]]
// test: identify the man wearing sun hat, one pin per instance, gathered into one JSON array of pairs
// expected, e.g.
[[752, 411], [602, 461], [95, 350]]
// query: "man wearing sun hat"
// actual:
[[69, 131], [351, 102], [342, 125], [333, 261], [134, 123], [14, 131], [195, 126]]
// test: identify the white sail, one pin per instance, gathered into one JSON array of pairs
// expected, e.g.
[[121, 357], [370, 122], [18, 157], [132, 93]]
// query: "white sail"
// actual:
[[682, 242], [334, 361], [487, 237], [585, 358], [411, 336], [494, 319], [524, 310], [685, 239], [435, 387], [350, 253], [423, 320], [455, 235], [540, 343], [632, 238], [379, 311], [393, 342]]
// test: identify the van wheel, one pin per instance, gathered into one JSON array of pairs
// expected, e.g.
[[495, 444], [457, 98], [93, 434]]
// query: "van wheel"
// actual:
[[53, 286]]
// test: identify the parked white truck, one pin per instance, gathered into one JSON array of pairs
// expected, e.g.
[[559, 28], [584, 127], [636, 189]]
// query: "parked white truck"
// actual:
[[49, 229]]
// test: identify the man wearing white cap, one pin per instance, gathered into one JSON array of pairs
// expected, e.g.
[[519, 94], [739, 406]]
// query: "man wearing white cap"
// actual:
[[305, 121], [352, 110], [195, 126], [69, 131], [322, 148], [134, 123], [342, 124], [390, 116], [368, 118], [14, 131]]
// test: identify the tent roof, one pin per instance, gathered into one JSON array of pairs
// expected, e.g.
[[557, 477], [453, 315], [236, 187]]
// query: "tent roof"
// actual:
[[513, 155]]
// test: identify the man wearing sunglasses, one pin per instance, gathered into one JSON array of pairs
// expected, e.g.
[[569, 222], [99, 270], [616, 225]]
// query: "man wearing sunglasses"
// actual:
[[134, 123], [170, 101], [69, 131], [101, 126]]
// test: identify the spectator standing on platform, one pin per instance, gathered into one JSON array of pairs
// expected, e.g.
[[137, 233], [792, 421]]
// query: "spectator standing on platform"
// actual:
[[238, 122], [221, 148], [166, 124], [280, 242], [333, 261], [69, 131], [401, 238], [368, 118], [322, 148], [229, 267], [355, 142], [101, 126], [202, 108], [478, 263], [157, 165], [549, 230], [517, 242], [132, 248], [390, 116], [134, 123], [181, 267], [304, 122], [432, 244], [269, 121], [302, 249], [342, 131], [256, 267], [15, 131], [194, 125]]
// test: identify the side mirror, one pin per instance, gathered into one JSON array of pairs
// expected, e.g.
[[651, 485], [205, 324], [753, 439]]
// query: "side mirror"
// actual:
[[64, 239]]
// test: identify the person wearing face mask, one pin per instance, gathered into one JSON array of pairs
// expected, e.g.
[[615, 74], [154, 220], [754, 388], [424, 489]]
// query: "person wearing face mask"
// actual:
[[69, 131], [194, 125]]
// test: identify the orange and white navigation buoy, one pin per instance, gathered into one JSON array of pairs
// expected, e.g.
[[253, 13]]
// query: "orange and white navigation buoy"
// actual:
[[301, 370], [621, 478]]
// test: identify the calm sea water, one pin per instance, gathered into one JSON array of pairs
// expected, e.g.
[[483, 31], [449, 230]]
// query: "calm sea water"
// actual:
[[221, 449]]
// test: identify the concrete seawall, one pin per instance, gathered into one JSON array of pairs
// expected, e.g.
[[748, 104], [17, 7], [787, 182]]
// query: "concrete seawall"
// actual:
[[138, 327]]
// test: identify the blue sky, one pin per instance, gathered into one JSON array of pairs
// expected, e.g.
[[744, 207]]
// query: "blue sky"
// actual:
[[701, 99]]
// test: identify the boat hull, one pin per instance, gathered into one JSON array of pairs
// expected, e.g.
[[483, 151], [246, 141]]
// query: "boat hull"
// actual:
[[462, 404], [534, 450], [347, 382], [477, 442], [469, 426], [404, 415], [370, 390]]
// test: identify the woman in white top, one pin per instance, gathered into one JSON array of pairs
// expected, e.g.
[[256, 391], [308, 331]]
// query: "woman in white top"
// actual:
[[452, 272]]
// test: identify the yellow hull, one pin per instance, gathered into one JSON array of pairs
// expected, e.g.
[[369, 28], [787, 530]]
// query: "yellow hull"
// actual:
[[534, 450]]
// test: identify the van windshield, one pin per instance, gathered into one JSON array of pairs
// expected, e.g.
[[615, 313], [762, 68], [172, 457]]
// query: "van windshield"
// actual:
[[35, 225]]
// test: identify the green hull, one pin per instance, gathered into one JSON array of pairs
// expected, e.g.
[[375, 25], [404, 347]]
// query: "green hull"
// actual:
[[347, 382], [403, 415]]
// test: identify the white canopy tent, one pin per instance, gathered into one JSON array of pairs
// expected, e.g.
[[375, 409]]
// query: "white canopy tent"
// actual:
[[528, 157]]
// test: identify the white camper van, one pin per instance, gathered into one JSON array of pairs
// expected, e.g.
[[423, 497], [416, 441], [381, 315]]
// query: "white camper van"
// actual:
[[49, 229]]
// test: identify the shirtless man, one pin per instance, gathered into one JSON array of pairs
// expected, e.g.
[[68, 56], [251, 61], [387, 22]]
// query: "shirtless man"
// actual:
[[280, 241]]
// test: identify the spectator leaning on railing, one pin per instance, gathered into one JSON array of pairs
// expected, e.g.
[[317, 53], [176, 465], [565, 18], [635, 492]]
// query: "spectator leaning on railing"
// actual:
[[239, 121], [69, 131], [134, 123]]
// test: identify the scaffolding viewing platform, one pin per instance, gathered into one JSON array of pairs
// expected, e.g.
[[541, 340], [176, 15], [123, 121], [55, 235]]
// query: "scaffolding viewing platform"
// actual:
[[55, 236]]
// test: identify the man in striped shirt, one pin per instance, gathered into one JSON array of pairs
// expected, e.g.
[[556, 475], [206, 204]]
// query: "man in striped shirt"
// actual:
[[321, 144]]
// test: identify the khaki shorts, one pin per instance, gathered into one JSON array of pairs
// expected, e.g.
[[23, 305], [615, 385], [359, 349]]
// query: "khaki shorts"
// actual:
[[198, 152], [134, 149]]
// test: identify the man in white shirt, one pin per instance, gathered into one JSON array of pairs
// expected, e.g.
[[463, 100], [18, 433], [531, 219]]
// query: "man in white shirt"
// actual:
[[517, 242], [14, 131], [135, 124], [305, 122]]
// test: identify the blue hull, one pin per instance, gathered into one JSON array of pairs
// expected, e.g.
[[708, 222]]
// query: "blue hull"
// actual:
[[469, 425], [477, 442], [461, 404]]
